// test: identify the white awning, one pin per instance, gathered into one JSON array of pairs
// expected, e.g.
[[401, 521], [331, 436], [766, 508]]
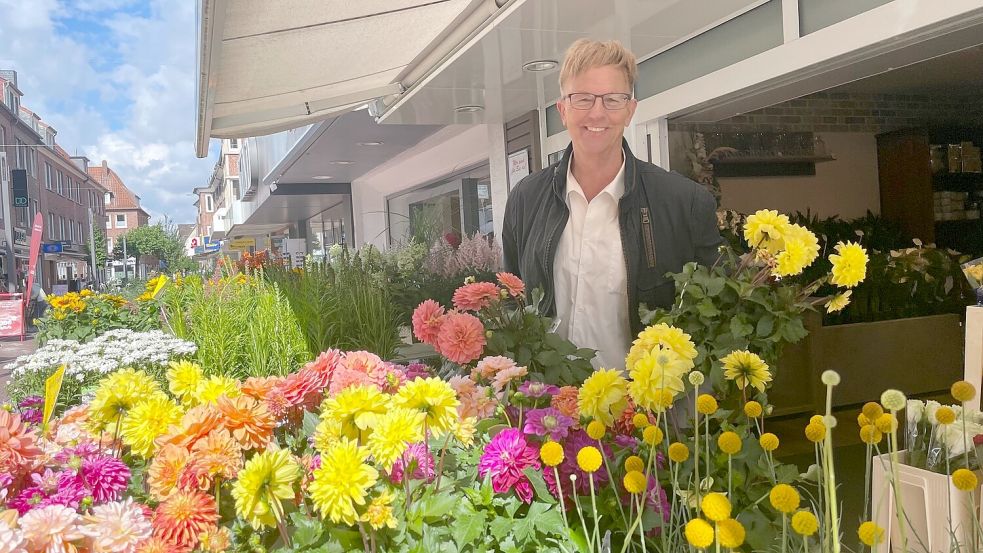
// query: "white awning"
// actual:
[[269, 66]]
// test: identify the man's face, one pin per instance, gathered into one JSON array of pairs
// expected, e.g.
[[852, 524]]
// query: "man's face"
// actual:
[[597, 130]]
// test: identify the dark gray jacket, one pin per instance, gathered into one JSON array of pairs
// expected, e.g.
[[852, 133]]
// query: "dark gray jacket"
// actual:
[[666, 221]]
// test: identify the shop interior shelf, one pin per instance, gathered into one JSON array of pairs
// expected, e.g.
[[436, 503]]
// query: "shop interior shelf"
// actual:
[[771, 159]]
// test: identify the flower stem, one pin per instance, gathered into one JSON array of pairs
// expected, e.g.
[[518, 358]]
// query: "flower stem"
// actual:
[[593, 505], [559, 491]]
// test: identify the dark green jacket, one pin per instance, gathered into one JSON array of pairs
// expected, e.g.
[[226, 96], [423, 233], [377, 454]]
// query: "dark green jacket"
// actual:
[[666, 221]]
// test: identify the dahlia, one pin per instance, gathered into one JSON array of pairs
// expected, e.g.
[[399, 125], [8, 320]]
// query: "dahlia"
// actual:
[[194, 425], [461, 338], [535, 389], [427, 318], [18, 445], [146, 421], [51, 529], [565, 401], [504, 459], [356, 408], [475, 296], [105, 477], [489, 366], [512, 283], [342, 481], [603, 396], [379, 513], [117, 394], [267, 478], [249, 421], [393, 432], [218, 453], [30, 409], [215, 539], [183, 379], [503, 378], [11, 539], [547, 422], [435, 398], [417, 458], [257, 388], [183, 516], [215, 387], [165, 470], [116, 527]]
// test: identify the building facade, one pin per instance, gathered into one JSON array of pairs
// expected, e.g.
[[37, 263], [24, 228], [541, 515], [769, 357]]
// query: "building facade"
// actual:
[[123, 214]]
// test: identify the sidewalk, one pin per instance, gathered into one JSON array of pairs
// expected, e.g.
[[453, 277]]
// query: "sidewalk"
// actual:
[[10, 349]]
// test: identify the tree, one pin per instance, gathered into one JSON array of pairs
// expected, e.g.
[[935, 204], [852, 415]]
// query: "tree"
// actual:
[[99, 237], [156, 241]]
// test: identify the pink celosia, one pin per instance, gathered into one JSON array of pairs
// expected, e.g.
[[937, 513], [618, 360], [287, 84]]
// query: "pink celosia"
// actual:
[[51, 529], [416, 457], [116, 527], [488, 367], [461, 338], [512, 283], [504, 459], [105, 477], [475, 296], [427, 318]]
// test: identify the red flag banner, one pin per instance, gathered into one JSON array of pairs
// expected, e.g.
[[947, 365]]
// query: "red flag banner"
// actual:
[[32, 265]]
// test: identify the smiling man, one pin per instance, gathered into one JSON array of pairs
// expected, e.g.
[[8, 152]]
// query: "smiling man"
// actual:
[[599, 229]]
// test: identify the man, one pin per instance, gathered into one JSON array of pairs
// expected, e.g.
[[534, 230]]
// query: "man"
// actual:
[[599, 229]]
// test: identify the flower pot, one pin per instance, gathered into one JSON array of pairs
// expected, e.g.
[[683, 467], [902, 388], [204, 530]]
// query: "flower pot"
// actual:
[[928, 498]]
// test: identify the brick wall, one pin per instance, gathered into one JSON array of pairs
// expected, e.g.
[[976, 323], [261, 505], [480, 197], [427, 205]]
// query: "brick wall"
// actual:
[[852, 112]]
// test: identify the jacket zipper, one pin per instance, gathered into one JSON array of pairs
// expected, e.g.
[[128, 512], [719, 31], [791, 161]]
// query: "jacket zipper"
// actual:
[[648, 238]]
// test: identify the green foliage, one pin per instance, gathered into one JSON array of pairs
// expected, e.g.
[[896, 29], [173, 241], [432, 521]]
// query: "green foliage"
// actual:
[[102, 254], [160, 241]]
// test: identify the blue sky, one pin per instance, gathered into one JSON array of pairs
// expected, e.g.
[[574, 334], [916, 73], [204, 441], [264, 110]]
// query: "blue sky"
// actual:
[[116, 78]]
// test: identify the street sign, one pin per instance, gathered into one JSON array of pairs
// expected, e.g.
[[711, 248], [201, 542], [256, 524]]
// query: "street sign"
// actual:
[[194, 242], [52, 247]]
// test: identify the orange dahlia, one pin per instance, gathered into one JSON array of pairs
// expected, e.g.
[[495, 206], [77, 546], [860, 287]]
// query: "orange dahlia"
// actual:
[[182, 518], [18, 445], [257, 388], [157, 544], [215, 539], [165, 470], [565, 401], [220, 453], [194, 425], [249, 421]]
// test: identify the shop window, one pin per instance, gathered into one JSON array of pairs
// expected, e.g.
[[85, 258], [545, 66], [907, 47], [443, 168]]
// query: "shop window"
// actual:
[[450, 208]]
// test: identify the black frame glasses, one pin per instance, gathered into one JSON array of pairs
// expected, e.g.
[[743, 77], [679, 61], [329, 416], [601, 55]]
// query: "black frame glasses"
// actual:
[[585, 100]]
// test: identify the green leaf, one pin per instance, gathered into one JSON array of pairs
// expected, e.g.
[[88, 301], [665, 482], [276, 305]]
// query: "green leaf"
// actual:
[[499, 527], [548, 358], [524, 527], [739, 328], [551, 522], [306, 530], [468, 525], [536, 479], [765, 325]]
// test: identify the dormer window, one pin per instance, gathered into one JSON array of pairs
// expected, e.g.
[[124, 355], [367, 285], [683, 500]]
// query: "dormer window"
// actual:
[[109, 197]]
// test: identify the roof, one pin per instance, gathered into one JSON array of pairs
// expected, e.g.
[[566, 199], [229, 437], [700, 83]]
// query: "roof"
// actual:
[[123, 197], [184, 230]]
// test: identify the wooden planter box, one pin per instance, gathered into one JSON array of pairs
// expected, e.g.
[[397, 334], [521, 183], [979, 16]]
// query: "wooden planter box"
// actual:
[[916, 355], [928, 498]]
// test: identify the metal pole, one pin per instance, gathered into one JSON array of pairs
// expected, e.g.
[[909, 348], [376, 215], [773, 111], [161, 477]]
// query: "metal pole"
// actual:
[[92, 251], [11, 263], [126, 261]]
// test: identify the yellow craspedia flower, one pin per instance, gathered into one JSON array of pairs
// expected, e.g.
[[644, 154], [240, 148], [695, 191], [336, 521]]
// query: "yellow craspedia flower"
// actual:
[[184, 378], [838, 302], [634, 463], [652, 435], [678, 452], [784, 498], [267, 478], [730, 443], [766, 229], [379, 513], [596, 430], [603, 396], [862, 420], [753, 409], [746, 368], [661, 369], [634, 482], [869, 434], [342, 481], [551, 453], [730, 533], [768, 441], [815, 432], [805, 523], [849, 264], [663, 400], [963, 391], [118, 393], [886, 423], [435, 398], [706, 404], [872, 410], [358, 407], [146, 421], [589, 459], [715, 506], [640, 420], [964, 480], [816, 419], [216, 386], [699, 533], [392, 434], [945, 415], [870, 533]]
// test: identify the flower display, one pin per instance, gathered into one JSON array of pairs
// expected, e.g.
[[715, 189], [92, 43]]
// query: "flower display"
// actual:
[[504, 461]]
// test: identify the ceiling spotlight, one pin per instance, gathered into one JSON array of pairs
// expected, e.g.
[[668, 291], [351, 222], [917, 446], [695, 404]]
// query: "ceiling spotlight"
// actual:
[[322, 177], [372, 143], [540, 65], [469, 109], [341, 162]]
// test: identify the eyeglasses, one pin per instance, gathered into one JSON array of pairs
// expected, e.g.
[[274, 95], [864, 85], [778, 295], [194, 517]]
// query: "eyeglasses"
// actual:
[[586, 100]]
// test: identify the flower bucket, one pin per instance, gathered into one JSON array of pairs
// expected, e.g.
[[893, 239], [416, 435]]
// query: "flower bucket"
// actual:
[[927, 498]]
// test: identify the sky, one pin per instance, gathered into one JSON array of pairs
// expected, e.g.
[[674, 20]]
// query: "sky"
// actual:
[[116, 79]]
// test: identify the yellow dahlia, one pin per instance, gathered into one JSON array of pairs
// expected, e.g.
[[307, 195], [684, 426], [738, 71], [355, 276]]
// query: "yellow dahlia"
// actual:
[[266, 478], [744, 368], [215, 386], [184, 378], [661, 369], [838, 302], [766, 230], [435, 398], [792, 260], [117, 394], [662, 335], [603, 396], [342, 481], [393, 432], [849, 264], [356, 407], [146, 421], [379, 513]]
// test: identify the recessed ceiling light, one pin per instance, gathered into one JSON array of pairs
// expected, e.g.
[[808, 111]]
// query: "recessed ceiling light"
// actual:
[[373, 143], [322, 177], [540, 65], [469, 109], [341, 162]]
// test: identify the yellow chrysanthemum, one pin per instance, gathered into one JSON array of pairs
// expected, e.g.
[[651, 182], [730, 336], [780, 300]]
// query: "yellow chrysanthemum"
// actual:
[[589, 459], [464, 431], [596, 430], [652, 435], [660, 369], [640, 420], [870, 533], [678, 452], [805, 523], [815, 432], [768, 441], [634, 482], [753, 409], [872, 410], [766, 230], [730, 533], [715, 506], [963, 391], [706, 404], [964, 480], [393, 433], [266, 479], [379, 513], [147, 421], [356, 408], [801, 249], [730, 443], [849, 264], [602, 396], [746, 368], [184, 378], [660, 335], [342, 481], [869, 434], [551, 453], [435, 398], [838, 302], [216, 386], [699, 533], [784, 498], [634, 463], [117, 394]]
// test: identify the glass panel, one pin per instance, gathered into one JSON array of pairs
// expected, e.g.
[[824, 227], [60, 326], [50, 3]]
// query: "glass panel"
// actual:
[[445, 209], [740, 38], [819, 14], [554, 124]]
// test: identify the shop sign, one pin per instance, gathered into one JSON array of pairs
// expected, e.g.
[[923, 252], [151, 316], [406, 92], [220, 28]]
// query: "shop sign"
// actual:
[[242, 243], [12, 317], [51, 247], [518, 166]]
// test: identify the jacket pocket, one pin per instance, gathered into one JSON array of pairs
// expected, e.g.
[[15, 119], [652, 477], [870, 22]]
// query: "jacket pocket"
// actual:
[[648, 239], [655, 290]]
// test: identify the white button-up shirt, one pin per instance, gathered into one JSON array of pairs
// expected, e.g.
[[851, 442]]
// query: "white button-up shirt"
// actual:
[[590, 276]]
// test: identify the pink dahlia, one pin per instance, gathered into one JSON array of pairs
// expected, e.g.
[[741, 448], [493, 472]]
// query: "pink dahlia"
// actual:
[[18, 445], [417, 459], [51, 529], [461, 338], [118, 527], [512, 283], [504, 459], [475, 296], [502, 378], [427, 318], [531, 388], [488, 367], [106, 477], [547, 422]]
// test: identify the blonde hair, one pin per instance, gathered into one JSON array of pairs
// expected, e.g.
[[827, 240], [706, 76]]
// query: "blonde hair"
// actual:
[[587, 54]]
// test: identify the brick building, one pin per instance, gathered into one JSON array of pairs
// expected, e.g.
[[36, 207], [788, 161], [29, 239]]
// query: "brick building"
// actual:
[[123, 214]]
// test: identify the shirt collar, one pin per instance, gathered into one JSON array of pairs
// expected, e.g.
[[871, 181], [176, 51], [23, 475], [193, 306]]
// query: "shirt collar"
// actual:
[[615, 189]]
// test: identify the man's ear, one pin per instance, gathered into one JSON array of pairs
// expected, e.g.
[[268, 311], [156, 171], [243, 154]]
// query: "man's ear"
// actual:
[[562, 108]]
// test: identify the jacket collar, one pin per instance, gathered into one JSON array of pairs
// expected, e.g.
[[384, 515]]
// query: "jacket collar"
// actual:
[[559, 177]]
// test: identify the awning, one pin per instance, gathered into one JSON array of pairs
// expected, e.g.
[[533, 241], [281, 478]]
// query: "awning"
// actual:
[[270, 66]]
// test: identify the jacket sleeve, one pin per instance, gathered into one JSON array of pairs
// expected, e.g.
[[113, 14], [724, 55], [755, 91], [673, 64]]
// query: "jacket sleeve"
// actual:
[[510, 235], [703, 228]]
